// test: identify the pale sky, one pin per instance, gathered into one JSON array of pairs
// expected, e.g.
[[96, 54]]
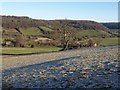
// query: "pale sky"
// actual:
[[97, 11]]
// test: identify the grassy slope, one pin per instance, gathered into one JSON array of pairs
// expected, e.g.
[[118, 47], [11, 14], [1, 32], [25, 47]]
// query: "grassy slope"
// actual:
[[36, 31], [30, 31], [109, 41], [92, 33], [28, 50], [103, 41], [10, 31], [115, 31], [45, 28]]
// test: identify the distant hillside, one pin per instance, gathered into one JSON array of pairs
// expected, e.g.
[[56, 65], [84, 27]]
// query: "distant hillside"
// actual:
[[42, 28], [28, 32], [113, 25], [12, 22]]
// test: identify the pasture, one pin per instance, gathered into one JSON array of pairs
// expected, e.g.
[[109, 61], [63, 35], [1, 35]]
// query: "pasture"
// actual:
[[19, 50]]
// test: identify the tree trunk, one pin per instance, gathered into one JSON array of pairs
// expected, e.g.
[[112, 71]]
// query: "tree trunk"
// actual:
[[66, 45]]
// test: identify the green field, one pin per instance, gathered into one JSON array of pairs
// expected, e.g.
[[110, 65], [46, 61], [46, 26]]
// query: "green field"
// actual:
[[30, 31], [103, 41], [109, 41], [36, 31], [27, 31], [93, 33], [45, 28], [10, 50]]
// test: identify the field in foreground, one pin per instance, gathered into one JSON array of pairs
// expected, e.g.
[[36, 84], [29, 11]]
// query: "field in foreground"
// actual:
[[84, 68], [18, 50]]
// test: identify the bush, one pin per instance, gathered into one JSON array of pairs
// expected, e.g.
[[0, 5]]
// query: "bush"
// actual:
[[20, 41], [90, 43], [32, 46]]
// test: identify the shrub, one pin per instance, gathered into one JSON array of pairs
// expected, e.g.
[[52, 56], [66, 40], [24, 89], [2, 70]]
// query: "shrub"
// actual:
[[32, 46], [90, 42], [20, 41]]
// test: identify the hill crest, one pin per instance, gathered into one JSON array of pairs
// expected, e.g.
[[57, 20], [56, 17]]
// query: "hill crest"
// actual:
[[12, 22]]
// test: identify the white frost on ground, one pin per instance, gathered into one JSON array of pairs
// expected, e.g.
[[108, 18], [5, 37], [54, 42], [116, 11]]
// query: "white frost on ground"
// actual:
[[96, 68]]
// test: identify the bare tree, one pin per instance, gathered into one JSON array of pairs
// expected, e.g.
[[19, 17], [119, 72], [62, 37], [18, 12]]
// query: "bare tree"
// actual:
[[66, 35]]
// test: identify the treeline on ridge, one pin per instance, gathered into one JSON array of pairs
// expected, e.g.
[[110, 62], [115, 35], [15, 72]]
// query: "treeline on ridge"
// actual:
[[26, 22]]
